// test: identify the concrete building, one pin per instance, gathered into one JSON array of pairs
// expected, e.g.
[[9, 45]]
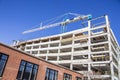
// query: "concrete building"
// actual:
[[18, 65], [92, 50]]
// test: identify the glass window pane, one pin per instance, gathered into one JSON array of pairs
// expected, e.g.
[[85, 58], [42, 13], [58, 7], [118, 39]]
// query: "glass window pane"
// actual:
[[26, 75], [4, 57], [51, 75], [70, 77], [2, 64], [35, 66], [20, 72], [56, 75], [29, 65], [33, 76], [23, 62], [67, 77], [78, 78], [47, 74]]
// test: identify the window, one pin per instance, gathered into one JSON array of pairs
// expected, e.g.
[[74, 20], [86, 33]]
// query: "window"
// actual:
[[67, 76], [51, 74], [27, 71], [3, 60], [78, 78]]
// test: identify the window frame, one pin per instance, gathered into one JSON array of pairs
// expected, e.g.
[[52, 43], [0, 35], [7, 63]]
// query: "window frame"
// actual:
[[67, 74], [47, 75], [5, 62], [77, 78], [24, 65]]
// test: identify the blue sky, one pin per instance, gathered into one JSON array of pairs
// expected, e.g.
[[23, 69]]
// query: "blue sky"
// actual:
[[19, 15]]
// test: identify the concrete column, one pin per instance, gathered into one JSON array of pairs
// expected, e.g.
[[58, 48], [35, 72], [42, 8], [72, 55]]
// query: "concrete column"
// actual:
[[89, 47], [59, 49], [109, 45], [71, 65], [119, 63], [48, 50], [31, 47], [112, 71]]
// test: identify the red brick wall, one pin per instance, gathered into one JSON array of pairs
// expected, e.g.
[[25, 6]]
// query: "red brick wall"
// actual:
[[15, 58]]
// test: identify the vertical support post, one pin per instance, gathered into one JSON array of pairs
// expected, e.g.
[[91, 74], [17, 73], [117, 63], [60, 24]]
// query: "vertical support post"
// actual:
[[107, 20], [109, 44], [58, 57], [25, 48], [31, 47], [119, 62], [89, 48], [48, 50], [71, 65], [38, 50]]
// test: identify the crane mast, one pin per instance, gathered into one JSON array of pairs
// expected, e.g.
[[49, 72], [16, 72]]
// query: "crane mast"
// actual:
[[67, 21]]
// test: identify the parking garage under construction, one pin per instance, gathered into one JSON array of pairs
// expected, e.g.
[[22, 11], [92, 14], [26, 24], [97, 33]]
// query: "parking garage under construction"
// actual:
[[92, 50]]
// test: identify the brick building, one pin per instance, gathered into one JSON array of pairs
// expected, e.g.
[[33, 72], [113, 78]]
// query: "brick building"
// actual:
[[18, 65]]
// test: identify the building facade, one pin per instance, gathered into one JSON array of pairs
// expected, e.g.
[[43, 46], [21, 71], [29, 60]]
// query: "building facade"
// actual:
[[92, 50], [18, 65]]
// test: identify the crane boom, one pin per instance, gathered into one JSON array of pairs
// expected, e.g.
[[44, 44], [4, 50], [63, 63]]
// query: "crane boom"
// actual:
[[59, 23]]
